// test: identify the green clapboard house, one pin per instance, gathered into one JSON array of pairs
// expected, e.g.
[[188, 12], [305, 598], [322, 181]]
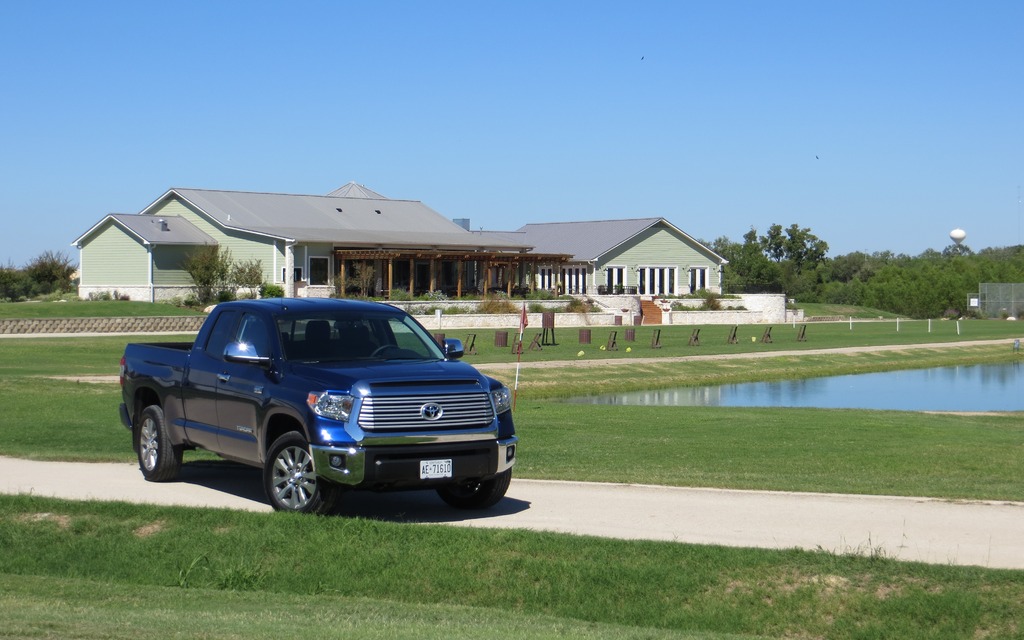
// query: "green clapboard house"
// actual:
[[356, 241]]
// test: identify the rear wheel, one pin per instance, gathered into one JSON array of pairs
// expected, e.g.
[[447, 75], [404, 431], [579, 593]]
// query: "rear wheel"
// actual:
[[159, 459], [477, 495], [290, 479]]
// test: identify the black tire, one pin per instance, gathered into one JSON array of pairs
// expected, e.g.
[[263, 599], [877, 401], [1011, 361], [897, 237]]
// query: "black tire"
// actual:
[[159, 458], [290, 479], [477, 495]]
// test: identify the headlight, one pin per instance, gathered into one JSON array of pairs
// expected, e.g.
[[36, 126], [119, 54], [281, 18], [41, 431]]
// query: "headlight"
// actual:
[[331, 405], [502, 399]]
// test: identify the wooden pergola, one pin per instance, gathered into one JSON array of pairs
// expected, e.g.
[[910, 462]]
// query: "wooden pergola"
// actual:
[[508, 268]]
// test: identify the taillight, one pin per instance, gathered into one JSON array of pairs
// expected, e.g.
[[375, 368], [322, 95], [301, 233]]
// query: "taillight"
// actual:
[[122, 371]]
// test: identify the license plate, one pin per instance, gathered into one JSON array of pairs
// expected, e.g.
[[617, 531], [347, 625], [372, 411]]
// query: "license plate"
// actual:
[[433, 469]]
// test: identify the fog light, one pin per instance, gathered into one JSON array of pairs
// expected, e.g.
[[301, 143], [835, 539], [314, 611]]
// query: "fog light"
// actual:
[[337, 461], [510, 453]]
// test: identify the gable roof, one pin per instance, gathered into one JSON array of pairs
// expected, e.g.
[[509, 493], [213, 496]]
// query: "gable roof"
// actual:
[[347, 220], [154, 230], [353, 190], [590, 240]]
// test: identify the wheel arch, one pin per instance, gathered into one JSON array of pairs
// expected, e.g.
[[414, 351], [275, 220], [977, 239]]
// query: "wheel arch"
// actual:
[[279, 424], [144, 397]]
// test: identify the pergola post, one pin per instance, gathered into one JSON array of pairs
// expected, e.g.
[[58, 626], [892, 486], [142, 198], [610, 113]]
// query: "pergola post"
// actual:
[[341, 274]]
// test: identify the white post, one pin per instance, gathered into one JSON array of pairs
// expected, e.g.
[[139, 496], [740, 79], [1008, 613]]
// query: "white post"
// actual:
[[897, 324], [289, 269], [929, 325], [851, 323], [957, 327]]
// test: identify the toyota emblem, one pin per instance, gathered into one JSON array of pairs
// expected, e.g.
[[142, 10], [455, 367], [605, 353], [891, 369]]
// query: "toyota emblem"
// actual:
[[431, 411]]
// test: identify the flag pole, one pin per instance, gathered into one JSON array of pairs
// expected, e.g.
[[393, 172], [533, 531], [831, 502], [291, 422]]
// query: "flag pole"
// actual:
[[519, 358]]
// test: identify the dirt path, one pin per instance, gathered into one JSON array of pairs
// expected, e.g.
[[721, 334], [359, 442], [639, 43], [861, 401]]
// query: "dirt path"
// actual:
[[989, 534]]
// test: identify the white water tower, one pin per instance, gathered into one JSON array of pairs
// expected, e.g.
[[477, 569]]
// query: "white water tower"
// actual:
[[957, 235]]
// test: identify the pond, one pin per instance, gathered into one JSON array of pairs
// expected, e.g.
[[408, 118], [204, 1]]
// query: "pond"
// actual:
[[961, 388]]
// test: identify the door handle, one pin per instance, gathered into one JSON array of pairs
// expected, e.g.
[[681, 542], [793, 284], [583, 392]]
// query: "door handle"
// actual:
[[223, 377]]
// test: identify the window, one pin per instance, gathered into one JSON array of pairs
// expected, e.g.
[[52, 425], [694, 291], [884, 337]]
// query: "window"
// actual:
[[319, 268], [254, 331], [698, 278], [221, 334], [297, 273]]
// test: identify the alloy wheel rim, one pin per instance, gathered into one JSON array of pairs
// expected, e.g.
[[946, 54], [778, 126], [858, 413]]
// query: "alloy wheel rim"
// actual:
[[149, 446], [294, 482]]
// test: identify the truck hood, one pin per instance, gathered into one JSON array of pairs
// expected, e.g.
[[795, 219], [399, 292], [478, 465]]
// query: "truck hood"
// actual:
[[345, 375]]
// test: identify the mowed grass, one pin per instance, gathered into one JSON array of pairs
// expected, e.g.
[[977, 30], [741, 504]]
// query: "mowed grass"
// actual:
[[254, 575], [95, 570], [90, 309]]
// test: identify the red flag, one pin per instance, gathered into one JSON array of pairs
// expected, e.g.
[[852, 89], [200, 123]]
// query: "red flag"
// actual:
[[522, 320]]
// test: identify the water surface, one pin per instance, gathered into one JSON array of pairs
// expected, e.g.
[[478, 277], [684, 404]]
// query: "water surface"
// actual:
[[961, 388]]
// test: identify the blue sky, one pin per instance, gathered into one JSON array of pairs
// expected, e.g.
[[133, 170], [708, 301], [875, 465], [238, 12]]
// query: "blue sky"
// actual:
[[878, 125]]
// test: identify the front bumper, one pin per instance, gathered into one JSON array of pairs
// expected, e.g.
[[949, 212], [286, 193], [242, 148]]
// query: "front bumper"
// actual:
[[396, 467]]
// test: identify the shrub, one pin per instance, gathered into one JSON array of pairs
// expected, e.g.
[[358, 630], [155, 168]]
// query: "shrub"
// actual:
[[712, 301], [497, 303], [400, 295], [248, 275], [579, 305], [51, 272], [210, 269], [14, 283], [268, 290]]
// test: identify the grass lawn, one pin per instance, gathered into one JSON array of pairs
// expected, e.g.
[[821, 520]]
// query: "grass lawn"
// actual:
[[175, 572], [90, 309], [223, 574]]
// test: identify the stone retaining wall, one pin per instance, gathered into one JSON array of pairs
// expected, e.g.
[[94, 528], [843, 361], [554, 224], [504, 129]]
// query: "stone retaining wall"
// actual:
[[148, 324]]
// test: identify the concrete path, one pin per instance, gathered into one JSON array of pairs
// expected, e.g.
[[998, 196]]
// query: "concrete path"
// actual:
[[989, 534]]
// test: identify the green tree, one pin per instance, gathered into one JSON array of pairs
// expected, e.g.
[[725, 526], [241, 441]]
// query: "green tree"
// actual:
[[210, 269], [14, 283], [248, 275], [51, 272]]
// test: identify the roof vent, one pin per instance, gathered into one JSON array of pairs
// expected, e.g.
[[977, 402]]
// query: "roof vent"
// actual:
[[163, 225], [338, 209], [377, 211]]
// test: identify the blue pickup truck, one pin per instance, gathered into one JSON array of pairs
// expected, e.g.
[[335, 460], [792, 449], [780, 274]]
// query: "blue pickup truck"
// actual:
[[325, 396]]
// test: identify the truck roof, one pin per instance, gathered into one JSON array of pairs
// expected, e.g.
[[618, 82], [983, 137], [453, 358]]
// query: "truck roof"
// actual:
[[280, 305]]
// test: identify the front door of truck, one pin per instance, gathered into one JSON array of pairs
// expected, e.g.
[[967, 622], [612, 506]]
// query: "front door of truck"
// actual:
[[199, 394]]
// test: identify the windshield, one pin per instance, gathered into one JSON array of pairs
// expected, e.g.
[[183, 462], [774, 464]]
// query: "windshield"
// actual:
[[336, 337]]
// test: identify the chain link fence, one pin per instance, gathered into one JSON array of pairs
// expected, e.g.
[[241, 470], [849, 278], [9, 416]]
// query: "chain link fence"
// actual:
[[1001, 300]]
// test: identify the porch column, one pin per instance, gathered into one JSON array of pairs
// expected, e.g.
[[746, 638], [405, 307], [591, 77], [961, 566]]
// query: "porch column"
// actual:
[[341, 274], [458, 278], [289, 269]]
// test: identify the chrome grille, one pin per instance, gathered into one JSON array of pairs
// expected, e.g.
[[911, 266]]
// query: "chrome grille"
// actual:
[[460, 411]]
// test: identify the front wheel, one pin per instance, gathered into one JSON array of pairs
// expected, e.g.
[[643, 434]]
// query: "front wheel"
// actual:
[[477, 495], [290, 479], [159, 459]]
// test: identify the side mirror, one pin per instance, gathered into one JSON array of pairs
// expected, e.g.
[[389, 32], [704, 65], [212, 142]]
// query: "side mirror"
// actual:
[[245, 352], [453, 349]]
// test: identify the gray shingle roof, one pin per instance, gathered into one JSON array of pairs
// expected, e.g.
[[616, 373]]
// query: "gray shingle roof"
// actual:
[[590, 240], [584, 240], [155, 230], [353, 190], [164, 229], [352, 221]]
